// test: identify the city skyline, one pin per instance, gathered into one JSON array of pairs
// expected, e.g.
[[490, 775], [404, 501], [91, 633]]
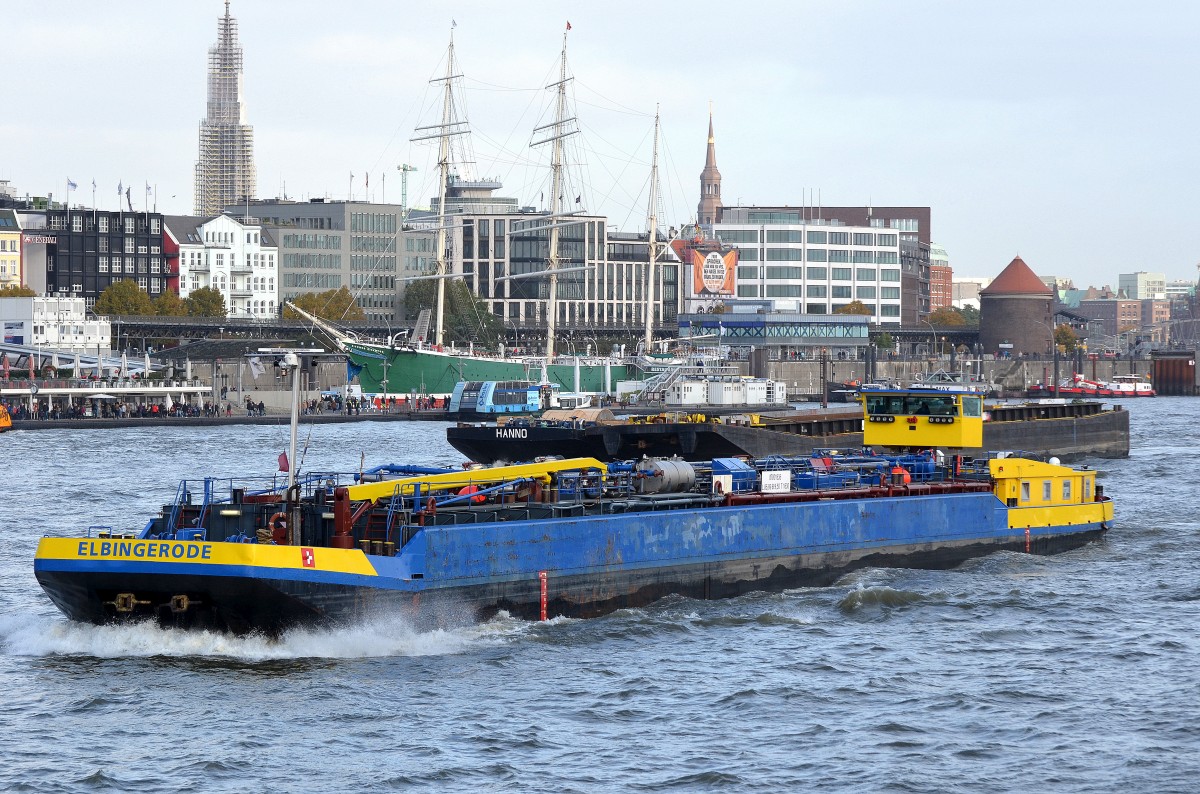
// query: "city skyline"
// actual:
[[1032, 131]]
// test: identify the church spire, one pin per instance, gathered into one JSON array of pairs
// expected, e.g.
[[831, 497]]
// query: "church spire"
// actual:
[[709, 210]]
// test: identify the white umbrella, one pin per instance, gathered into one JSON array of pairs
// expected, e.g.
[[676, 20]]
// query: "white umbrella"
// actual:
[[146, 372], [170, 402], [54, 362], [188, 363], [124, 365], [76, 373]]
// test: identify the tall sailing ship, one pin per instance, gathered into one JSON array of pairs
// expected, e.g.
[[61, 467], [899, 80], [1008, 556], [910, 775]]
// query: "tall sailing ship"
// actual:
[[421, 362]]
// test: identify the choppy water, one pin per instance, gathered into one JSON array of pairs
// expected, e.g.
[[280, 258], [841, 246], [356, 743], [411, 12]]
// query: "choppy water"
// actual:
[[1078, 672]]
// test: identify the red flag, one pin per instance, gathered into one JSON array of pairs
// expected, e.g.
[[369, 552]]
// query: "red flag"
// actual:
[[568, 25], [308, 558], [283, 461]]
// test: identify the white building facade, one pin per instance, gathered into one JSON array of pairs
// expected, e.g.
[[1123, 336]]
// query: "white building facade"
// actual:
[[814, 267], [54, 324], [1142, 285], [233, 255]]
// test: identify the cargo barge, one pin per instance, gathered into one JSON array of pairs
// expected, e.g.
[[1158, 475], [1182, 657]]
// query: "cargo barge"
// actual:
[[577, 537], [1068, 430]]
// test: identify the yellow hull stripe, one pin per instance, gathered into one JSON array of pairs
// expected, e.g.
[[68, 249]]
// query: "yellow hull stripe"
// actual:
[[172, 552], [1060, 515]]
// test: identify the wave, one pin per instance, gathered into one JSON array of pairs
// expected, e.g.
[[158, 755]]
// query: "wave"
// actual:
[[385, 637]]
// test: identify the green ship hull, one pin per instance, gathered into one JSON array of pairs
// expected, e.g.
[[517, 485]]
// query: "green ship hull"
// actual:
[[429, 372]]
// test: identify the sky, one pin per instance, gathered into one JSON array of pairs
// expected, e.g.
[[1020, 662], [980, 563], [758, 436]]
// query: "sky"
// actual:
[[1062, 132]]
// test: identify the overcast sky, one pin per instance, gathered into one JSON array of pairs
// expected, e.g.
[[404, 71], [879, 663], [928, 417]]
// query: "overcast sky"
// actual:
[[1062, 131]]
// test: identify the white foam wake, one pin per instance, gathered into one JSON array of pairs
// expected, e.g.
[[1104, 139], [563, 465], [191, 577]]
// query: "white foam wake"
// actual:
[[53, 636]]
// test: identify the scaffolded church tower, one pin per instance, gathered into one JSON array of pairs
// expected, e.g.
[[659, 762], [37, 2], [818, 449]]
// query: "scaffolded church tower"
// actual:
[[225, 170]]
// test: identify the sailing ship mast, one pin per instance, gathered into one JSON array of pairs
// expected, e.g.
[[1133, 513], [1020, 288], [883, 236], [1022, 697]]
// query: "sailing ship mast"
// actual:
[[558, 132], [443, 132], [651, 279]]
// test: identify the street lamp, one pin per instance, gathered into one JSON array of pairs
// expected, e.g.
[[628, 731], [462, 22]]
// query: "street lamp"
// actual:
[[932, 337], [1054, 349]]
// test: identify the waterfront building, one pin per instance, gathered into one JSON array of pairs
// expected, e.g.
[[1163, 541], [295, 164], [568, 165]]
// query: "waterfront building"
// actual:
[[10, 249], [1016, 313], [325, 245], [232, 254], [941, 279], [813, 265], [1142, 285], [1113, 315], [964, 290], [54, 324], [602, 282], [80, 252], [225, 168]]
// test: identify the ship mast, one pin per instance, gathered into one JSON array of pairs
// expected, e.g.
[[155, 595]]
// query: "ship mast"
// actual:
[[558, 132], [448, 128], [443, 178], [653, 251]]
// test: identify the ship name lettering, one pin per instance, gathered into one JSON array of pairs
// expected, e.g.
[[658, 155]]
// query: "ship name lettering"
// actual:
[[135, 549], [512, 432]]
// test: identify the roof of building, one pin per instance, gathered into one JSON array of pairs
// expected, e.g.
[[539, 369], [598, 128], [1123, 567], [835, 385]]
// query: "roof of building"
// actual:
[[9, 222], [1017, 279], [184, 228]]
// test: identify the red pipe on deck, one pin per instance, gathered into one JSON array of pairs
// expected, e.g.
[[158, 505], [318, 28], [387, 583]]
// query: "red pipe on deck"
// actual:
[[343, 526]]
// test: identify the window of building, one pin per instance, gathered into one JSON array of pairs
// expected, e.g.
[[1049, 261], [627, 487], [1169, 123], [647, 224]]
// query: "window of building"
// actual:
[[865, 293], [839, 238], [77, 223], [747, 273], [783, 291], [865, 273], [841, 273], [155, 227], [839, 255], [892, 293], [141, 282], [779, 273], [817, 238], [743, 291], [1066, 490], [818, 273], [841, 292], [1025, 491], [885, 240], [102, 223], [102, 264], [784, 236], [889, 275], [863, 257], [892, 310], [817, 291], [862, 238], [748, 254], [816, 308], [1046, 491], [887, 258], [130, 225], [817, 255]]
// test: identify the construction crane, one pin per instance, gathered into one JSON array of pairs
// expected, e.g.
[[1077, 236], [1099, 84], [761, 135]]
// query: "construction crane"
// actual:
[[404, 168]]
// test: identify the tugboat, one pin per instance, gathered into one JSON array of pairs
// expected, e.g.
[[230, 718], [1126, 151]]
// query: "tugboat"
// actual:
[[573, 537]]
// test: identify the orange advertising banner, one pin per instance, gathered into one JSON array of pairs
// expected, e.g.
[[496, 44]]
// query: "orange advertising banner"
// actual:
[[714, 273]]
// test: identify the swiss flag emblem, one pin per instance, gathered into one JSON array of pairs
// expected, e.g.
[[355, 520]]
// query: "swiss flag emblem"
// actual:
[[307, 558]]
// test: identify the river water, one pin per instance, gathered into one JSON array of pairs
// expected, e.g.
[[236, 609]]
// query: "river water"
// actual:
[[1078, 672]]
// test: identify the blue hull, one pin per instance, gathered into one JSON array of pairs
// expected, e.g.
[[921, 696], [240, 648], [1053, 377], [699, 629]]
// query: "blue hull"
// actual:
[[594, 564]]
